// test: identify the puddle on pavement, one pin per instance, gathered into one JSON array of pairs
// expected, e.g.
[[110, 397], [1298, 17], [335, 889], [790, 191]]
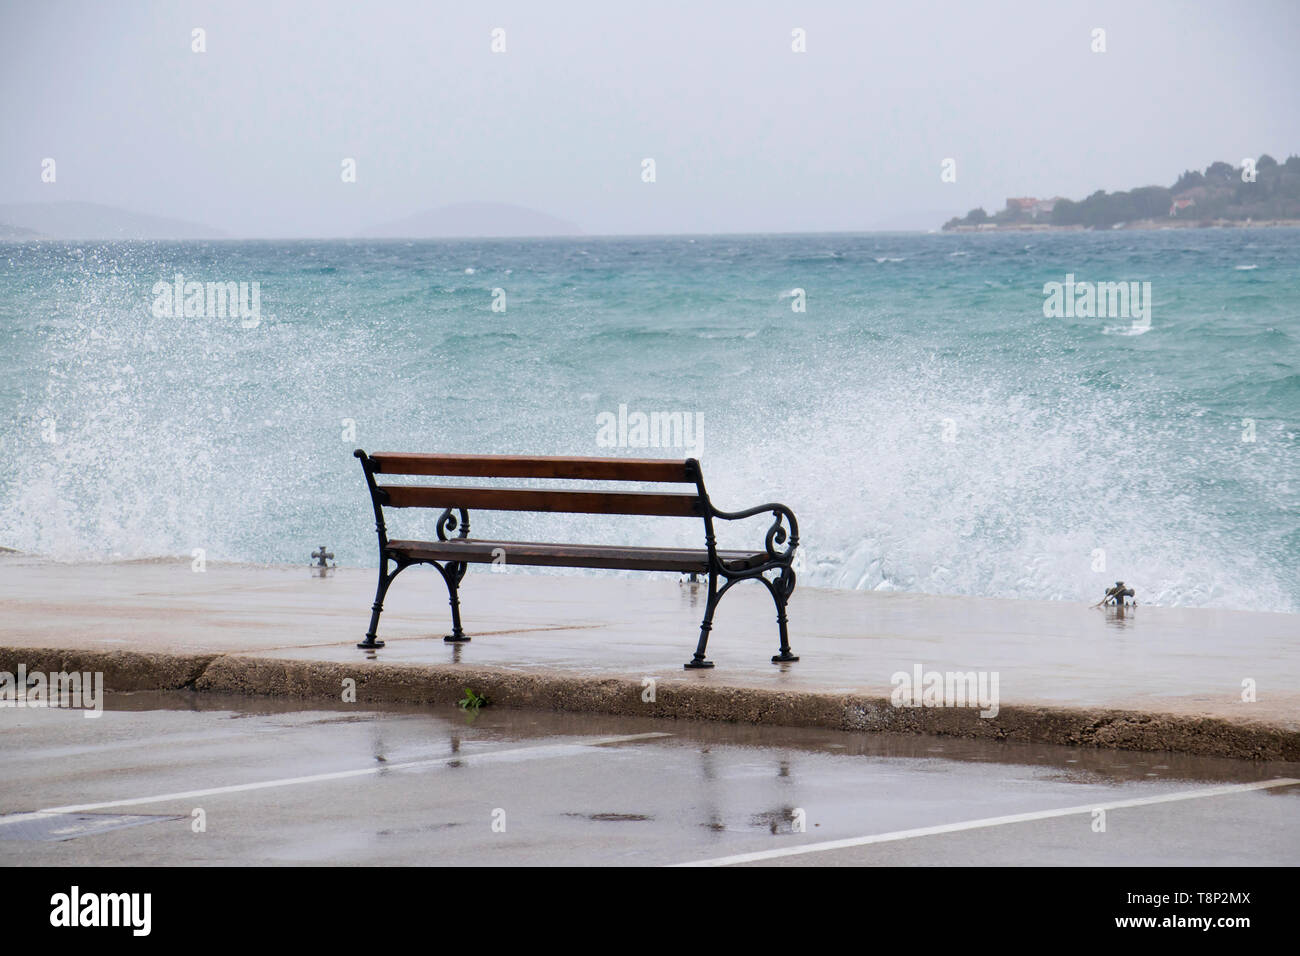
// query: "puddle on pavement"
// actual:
[[68, 826], [1071, 764]]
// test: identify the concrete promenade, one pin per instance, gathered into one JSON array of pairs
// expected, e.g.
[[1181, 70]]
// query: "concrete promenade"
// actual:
[[1160, 679]]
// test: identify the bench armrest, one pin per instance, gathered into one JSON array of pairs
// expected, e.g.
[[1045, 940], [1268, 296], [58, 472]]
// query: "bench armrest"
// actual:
[[449, 521], [776, 534]]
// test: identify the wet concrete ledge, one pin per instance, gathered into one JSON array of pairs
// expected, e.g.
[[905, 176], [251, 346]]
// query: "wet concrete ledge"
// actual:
[[442, 685]]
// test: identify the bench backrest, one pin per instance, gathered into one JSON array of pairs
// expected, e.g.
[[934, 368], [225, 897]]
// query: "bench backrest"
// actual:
[[693, 504]]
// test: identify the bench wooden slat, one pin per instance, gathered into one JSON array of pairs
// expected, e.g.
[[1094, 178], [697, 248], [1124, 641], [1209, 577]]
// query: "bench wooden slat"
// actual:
[[542, 554], [519, 466], [676, 504]]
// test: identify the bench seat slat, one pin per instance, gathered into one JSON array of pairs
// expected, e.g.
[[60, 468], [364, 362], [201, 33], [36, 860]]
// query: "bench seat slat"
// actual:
[[677, 504], [520, 466], [540, 554]]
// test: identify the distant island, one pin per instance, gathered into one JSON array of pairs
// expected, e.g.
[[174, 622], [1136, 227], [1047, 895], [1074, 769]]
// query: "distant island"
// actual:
[[67, 220], [1222, 195], [95, 221]]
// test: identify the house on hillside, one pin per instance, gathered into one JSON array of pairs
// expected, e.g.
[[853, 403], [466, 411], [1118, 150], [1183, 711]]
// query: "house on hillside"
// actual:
[[1031, 207]]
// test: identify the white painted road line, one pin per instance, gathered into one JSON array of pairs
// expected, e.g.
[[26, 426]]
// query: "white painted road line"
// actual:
[[490, 756], [987, 822]]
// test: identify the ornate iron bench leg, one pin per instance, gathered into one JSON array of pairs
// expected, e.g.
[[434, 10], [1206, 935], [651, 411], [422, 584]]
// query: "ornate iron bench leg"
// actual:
[[698, 661], [385, 579], [781, 590], [452, 574]]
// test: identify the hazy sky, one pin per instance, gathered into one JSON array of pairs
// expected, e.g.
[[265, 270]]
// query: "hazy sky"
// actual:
[[746, 134]]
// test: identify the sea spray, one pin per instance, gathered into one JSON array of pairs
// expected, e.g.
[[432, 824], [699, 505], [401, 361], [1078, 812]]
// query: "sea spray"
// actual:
[[932, 430]]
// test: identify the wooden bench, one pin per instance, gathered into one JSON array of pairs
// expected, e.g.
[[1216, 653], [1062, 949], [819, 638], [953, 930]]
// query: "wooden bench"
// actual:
[[453, 555]]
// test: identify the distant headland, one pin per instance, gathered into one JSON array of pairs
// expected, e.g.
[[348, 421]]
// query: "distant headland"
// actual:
[[1260, 192]]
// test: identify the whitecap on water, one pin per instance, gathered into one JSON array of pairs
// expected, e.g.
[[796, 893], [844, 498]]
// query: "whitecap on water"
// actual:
[[1126, 329], [1245, 268], [726, 335]]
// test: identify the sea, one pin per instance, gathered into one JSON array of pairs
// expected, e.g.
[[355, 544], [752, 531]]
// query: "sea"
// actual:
[[933, 423]]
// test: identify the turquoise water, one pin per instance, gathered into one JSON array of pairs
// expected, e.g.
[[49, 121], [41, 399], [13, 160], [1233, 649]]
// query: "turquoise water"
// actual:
[[930, 427]]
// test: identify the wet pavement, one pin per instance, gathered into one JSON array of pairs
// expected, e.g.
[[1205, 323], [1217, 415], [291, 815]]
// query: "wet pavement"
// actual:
[[1166, 660], [338, 784]]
